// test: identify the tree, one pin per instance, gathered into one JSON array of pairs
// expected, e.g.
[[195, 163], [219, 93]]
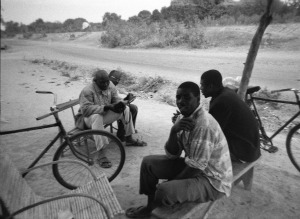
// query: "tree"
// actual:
[[156, 16], [110, 18], [263, 24], [134, 19], [2, 21], [144, 15], [77, 26], [72, 25], [12, 28], [68, 25], [251, 7], [37, 26]]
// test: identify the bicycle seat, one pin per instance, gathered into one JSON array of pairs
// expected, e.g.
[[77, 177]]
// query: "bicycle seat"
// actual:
[[252, 90]]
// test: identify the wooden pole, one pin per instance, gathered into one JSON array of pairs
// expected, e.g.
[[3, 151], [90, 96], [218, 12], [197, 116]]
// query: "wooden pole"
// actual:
[[265, 20]]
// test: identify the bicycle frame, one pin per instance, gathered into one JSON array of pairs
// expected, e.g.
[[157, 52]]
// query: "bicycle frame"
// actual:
[[62, 134], [251, 99]]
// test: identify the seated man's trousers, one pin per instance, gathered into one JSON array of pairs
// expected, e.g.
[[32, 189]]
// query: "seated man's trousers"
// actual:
[[97, 121], [196, 188]]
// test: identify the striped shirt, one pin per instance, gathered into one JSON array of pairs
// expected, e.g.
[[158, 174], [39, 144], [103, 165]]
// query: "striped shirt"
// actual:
[[206, 149]]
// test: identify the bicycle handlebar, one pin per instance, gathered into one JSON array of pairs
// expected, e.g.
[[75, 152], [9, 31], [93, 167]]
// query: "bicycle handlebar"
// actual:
[[43, 92], [55, 99], [48, 92], [44, 116]]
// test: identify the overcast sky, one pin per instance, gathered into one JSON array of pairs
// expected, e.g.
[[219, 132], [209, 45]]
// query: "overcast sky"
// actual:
[[27, 11]]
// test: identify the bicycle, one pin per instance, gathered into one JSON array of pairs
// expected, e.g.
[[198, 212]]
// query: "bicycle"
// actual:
[[76, 145], [292, 141]]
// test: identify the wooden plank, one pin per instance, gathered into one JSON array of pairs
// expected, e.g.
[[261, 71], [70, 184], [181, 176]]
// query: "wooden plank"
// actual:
[[241, 172], [240, 169], [66, 105]]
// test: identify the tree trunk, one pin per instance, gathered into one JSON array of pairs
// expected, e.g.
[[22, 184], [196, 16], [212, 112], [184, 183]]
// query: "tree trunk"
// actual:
[[265, 20]]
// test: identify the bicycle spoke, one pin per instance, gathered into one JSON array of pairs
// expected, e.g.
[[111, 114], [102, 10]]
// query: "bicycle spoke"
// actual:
[[84, 146]]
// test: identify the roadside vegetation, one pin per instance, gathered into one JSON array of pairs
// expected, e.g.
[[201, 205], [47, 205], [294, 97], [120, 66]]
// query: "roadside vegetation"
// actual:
[[160, 89], [188, 25], [183, 24]]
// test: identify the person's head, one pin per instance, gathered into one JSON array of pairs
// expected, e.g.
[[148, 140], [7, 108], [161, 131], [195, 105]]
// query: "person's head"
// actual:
[[101, 79], [188, 98], [115, 77], [211, 82]]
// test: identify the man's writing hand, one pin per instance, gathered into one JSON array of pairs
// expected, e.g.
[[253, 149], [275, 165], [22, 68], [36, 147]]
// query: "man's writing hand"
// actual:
[[130, 97], [109, 107], [119, 107], [116, 107], [184, 124]]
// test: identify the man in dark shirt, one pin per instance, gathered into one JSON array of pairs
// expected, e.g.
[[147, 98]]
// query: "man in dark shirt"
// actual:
[[234, 116], [115, 77]]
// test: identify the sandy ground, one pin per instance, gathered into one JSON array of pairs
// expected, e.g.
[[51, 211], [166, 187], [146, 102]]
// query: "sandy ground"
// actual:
[[276, 189]]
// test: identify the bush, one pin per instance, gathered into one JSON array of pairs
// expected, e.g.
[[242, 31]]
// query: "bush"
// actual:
[[197, 38], [120, 34], [27, 35], [72, 37], [226, 20], [124, 34], [286, 18], [248, 20]]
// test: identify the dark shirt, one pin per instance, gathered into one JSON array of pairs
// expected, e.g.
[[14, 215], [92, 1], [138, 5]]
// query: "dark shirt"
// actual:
[[238, 124]]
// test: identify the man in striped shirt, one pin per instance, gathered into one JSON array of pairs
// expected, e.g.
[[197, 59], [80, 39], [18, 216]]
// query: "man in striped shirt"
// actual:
[[204, 173]]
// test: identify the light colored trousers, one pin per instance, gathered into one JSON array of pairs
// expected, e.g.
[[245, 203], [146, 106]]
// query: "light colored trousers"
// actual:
[[97, 121]]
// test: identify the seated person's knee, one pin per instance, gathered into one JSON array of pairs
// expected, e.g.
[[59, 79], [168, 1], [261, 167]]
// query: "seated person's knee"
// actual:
[[163, 195], [148, 160]]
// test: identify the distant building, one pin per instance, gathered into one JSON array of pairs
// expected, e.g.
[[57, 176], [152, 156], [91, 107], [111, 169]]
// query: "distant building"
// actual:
[[2, 27]]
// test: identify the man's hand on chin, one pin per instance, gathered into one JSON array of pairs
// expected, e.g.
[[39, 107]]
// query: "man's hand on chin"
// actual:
[[184, 124]]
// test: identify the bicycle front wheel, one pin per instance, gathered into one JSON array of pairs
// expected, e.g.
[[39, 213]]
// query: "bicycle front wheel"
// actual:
[[82, 146], [293, 146]]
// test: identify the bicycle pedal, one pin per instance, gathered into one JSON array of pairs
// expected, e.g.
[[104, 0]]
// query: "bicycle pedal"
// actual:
[[270, 148]]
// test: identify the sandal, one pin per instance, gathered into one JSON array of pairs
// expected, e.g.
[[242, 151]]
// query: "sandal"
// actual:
[[104, 162], [136, 212], [136, 143]]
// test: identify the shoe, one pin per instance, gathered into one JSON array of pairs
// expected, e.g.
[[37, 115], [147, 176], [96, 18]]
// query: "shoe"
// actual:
[[136, 143], [136, 212], [104, 162]]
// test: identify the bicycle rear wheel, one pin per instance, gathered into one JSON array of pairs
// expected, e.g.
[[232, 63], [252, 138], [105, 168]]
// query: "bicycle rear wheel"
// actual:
[[293, 146], [84, 148]]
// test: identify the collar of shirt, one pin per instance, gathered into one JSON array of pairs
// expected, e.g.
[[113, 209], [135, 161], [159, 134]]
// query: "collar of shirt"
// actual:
[[99, 91], [194, 114]]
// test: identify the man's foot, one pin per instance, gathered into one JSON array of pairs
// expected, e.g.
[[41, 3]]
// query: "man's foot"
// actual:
[[135, 143], [138, 212]]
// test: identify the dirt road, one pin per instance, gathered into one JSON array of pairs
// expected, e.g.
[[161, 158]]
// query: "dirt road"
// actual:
[[273, 68]]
